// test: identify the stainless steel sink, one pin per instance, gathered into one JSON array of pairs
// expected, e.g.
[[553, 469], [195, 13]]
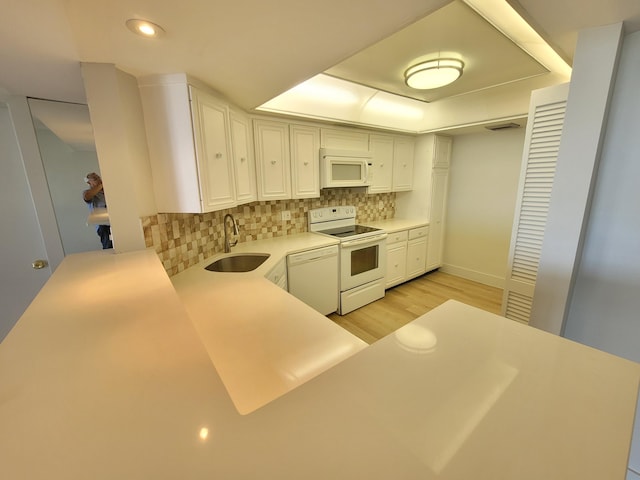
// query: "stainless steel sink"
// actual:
[[240, 262]]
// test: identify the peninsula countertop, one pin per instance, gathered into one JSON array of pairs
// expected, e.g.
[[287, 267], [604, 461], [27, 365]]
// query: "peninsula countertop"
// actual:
[[263, 341], [105, 376]]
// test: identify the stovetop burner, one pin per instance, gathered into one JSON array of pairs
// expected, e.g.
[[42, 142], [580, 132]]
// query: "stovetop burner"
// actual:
[[349, 231], [339, 222]]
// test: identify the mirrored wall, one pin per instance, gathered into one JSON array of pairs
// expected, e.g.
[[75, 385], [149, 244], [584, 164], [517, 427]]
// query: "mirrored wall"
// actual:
[[67, 148]]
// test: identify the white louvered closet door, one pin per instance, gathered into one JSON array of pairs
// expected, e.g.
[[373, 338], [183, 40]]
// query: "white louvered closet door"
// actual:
[[542, 142]]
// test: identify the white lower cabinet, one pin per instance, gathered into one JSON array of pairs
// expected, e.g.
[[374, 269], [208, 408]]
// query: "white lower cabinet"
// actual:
[[417, 251], [278, 274], [396, 258], [406, 255]]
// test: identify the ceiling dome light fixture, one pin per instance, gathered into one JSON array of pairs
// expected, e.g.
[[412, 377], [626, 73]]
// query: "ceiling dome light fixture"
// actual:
[[433, 73], [144, 28]]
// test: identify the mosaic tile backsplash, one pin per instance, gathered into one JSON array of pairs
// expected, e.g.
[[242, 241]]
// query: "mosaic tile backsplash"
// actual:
[[183, 240]]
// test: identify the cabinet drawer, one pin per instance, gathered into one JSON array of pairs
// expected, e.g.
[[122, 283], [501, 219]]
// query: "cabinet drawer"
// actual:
[[397, 237], [418, 232]]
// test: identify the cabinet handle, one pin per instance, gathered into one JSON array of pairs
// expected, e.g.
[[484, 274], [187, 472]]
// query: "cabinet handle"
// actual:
[[242, 159], [381, 165], [273, 162], [218, 155], [306, 163]]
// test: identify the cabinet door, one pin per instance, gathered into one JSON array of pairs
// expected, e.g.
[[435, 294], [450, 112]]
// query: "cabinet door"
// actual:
[[542, 143], [439, 185], [381, 148], [441, 151], [396, 264], [403, 150], [416, 257], [344, 139], [272, 160], [215, 165], [305, 161], [243, 159]]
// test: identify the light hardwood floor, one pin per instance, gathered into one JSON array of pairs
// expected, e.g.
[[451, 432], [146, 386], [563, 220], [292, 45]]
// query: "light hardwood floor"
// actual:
[[409, 300]]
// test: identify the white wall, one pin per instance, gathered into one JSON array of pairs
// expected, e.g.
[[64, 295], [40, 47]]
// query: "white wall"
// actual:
[[483, 183], [20, 233]]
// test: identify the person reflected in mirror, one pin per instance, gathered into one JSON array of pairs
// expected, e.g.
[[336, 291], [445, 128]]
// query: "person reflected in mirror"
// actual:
[[94, 197]]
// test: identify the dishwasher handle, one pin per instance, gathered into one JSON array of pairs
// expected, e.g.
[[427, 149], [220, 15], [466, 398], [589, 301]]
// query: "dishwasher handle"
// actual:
[[312, 255]]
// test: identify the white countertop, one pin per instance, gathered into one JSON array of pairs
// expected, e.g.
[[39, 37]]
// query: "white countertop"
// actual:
[[397, 224], [263, 341], [105, 376], [278, 248]]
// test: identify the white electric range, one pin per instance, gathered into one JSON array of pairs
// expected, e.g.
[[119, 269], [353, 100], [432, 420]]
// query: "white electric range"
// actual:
[[363, 255]]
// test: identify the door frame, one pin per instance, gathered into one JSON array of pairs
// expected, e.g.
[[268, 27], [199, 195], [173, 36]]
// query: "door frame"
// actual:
[[36, 178]]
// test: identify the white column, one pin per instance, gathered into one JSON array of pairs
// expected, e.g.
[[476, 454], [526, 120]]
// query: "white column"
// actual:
[[118, 124], [592, 82]]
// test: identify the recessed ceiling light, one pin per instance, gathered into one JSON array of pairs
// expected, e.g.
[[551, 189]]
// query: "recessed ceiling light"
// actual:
[[144, 28], [433, 73]]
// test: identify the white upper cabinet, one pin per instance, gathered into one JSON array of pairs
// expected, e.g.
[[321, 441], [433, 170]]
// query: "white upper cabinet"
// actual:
[[242, 147], [403, 150], [213, 152], [381, 148], [192, 142], [272, 160], [442, 151], [344, 139], [305, 161], [392, 163], [417, 251]]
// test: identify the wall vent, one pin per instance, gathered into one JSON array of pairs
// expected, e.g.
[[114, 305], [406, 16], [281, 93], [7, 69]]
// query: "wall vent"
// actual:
[[502, 126]]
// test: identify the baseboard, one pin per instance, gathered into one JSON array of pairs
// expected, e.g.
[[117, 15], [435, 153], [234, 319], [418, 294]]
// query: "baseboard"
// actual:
[[480, 277]]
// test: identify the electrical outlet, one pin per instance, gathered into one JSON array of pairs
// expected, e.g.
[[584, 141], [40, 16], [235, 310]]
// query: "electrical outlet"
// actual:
[[286, 216]]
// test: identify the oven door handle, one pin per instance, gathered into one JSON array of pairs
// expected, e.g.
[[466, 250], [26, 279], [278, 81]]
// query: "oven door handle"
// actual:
[[363, 241]]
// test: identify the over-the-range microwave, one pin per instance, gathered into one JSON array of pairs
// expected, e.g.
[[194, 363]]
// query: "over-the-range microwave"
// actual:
[[344, 168]]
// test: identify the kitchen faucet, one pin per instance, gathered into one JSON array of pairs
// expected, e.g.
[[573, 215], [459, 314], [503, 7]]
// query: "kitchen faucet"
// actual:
[[227, 243]]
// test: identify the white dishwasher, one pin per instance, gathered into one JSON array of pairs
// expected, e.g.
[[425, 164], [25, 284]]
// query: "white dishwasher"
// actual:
[[313, 278]]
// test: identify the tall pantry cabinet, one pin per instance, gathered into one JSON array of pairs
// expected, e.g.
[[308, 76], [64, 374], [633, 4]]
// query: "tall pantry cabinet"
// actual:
[[439, 188]]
